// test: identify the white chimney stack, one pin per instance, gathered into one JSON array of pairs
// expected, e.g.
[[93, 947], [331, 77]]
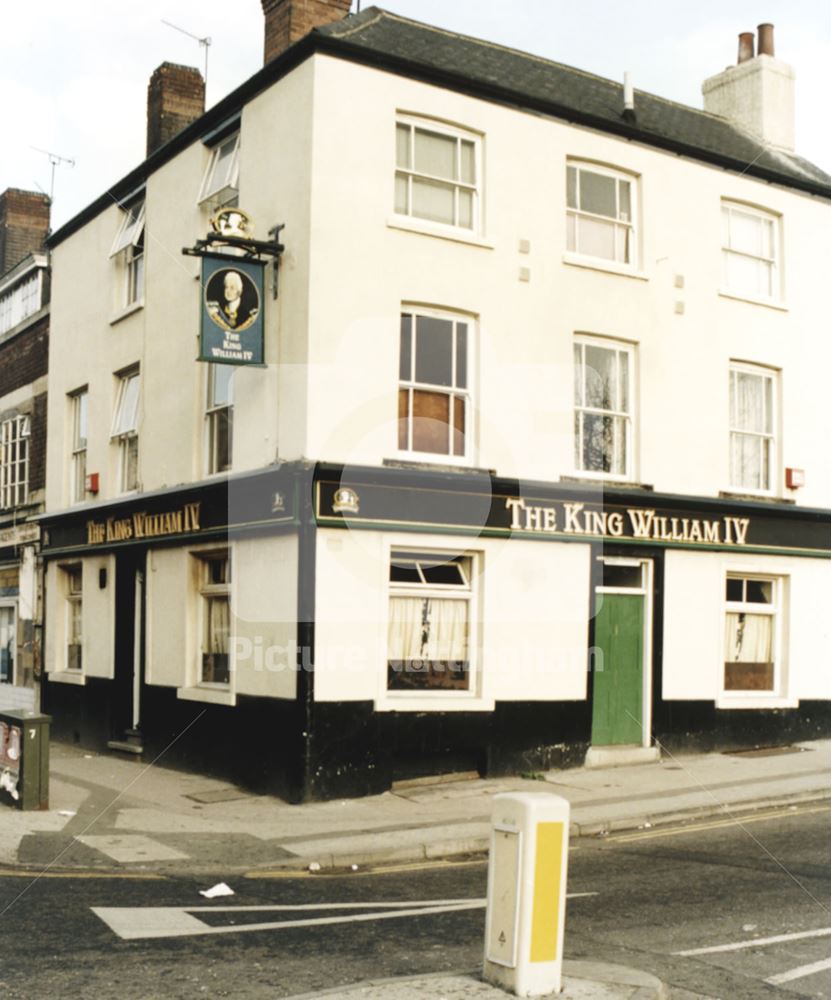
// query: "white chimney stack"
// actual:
[[757, 93]]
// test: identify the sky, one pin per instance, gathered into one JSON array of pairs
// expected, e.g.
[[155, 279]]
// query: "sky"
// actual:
[[73, 76]]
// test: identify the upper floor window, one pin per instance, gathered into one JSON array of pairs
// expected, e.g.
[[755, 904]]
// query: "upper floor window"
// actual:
[[750, 254], [436, 175], [125, 430], [128, 249], [221, 179], [78, 467], [434, 398], [220, 417], [20, 302], [752, 427], [603, 408], [14, 461], [600, 213]]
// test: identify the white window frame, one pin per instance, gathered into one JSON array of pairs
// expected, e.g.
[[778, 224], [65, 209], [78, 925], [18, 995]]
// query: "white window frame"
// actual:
[[208, 592], [411, 385], [21, 301], [406, 174], [12, 604], [73, 599], [581, 409], [625, 230], [222, 191], [79, 407], [215, 412], [768, 264], [124, 431], [771, 438], [435, 698], [128, 250], [15, 433], [742, 697]]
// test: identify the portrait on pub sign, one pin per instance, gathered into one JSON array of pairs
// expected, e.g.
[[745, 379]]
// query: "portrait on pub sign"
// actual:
[[232, 299]]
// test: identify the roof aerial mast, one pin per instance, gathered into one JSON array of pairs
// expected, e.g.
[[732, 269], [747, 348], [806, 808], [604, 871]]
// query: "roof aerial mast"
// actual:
[[56, 161], [204, 43]]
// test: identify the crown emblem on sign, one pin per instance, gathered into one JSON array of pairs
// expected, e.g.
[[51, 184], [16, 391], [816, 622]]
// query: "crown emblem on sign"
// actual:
[[346, 501], [232, 222]]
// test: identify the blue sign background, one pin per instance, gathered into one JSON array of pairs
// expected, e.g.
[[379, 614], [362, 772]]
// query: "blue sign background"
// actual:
[[231, 327]]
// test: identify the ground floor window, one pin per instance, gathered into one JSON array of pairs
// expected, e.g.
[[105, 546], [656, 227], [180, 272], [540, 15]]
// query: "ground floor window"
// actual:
[[428, 640], [215, 596], [7, 643], [750, 634], [73, 582]]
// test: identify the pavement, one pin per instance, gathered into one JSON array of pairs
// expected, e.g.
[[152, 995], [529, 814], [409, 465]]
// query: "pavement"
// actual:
[[112, 813]]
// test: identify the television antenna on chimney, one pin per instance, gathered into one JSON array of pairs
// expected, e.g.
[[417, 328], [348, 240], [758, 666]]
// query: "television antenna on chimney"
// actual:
[[56, 161], [204, 43]]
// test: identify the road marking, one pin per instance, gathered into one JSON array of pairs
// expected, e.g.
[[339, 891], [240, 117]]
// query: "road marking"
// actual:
[[799, 972], [712, 825], [343, 870], [132, 923], [757, 942], [37, 874], [132, 847]]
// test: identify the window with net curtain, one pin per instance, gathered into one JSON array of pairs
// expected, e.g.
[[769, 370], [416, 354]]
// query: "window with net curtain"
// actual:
[[752, 428], [600, 213], [434, 384], [215, 592], [750, 634], [750, 240], [603, 408], [428, 641], [436, 175]]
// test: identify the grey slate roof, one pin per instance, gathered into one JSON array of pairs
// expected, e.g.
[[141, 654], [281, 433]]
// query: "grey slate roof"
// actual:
[[564, 92]]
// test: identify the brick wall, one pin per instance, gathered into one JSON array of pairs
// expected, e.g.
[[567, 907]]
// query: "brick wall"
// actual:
[[24, 224], [24, 358], [287, 21], [37, 444], [175, 98]]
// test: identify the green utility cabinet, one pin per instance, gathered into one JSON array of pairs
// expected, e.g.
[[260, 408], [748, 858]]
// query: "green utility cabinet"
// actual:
[[24, 759]]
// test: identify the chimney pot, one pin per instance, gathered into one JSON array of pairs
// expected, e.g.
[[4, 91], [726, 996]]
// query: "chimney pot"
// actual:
[[747, 42], [287, 21], [766, 40], [175, 98], [24, 225]]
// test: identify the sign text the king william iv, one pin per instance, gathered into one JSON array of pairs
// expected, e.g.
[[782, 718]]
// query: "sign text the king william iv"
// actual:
[[143, 525]]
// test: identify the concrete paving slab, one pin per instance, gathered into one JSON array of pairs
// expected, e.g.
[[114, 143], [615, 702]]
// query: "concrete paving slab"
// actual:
[[132, 849]]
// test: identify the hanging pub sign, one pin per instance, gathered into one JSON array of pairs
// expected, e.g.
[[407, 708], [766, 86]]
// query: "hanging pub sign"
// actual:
[[231, 330], [233, 304]]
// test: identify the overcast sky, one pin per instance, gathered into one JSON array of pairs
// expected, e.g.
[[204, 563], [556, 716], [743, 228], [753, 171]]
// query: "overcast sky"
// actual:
[[73, 76]]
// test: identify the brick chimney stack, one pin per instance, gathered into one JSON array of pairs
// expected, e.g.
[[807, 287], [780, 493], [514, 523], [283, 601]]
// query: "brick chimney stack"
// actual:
[[287, 21], [175, 98], [24, 225]]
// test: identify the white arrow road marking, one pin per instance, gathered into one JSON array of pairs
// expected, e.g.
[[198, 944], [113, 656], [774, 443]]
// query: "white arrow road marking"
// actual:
[[799, 972], [757, 942], [131, 923]]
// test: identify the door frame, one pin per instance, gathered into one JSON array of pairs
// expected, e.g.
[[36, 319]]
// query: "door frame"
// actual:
[[647, 591]]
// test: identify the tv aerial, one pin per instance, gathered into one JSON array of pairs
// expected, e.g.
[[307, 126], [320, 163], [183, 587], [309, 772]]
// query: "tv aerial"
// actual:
[[204, 43], [55, 160]]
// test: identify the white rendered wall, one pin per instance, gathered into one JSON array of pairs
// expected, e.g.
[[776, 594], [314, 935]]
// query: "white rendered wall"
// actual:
[[97, 621]]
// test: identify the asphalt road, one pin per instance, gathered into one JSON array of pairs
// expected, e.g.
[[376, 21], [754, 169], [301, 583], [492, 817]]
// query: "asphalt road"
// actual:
[[657, 893]]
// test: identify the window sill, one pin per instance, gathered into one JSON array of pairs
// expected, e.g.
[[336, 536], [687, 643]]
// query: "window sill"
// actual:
[[589, 480], [407, 225], [755, 497], [127, 311], [757, 702], [768, 303], [207, 694], [606, 267], [438, 463], [439, 701], [67, 677]]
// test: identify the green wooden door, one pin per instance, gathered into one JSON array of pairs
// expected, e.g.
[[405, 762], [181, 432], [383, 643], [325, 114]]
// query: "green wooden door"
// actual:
[[617, 709]]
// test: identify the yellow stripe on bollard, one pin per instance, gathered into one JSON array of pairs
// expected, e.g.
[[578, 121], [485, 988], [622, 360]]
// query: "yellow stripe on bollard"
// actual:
[[545, 916]]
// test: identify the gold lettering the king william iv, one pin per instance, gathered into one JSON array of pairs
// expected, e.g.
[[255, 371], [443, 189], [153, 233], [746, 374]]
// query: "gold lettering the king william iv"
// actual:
[[144, 525]]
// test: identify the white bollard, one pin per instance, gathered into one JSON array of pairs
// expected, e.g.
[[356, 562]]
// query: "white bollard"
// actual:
[[526, 911]]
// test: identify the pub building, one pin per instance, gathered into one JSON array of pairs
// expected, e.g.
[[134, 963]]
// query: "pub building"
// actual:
[[468, 434]]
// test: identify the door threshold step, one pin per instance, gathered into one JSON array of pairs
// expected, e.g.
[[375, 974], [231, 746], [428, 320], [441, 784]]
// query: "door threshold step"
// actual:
[[125, 746], [619, 756]]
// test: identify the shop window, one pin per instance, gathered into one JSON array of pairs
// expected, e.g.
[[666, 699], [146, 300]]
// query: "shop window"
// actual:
[[436, 176], [215, 611], [78, 459], [603, 408], [221, 180], [219, 416], [600, 213], [750, 240], [125, 430], [429, 634], [752, 428], [73, 583], [434, 384], [128, 252], [14, 461], [7, 643], [750, 635]]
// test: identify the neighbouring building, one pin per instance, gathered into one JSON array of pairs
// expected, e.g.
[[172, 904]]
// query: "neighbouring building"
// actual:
[[526, 472], [24, 355]]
